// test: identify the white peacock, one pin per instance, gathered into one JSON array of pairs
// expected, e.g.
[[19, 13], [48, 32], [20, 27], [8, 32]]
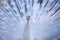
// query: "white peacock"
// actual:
[[29, 19]]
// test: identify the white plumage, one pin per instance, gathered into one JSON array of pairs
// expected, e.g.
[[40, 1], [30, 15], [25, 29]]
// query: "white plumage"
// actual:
[[44, 22]]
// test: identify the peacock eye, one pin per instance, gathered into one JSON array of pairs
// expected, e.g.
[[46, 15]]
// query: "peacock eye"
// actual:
[[40, 1]]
